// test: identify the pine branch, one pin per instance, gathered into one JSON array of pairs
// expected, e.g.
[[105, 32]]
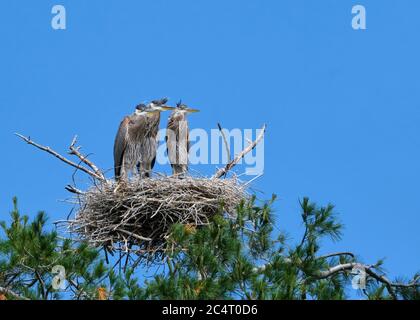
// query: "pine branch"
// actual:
[[335, 254], [42, 284]]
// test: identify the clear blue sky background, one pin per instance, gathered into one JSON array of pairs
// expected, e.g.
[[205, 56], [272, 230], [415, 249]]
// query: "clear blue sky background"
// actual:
[[342, 106]]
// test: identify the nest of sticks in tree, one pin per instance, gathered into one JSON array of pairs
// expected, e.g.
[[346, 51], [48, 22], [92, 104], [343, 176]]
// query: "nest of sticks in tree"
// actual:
[[136, 216], [139, 215]]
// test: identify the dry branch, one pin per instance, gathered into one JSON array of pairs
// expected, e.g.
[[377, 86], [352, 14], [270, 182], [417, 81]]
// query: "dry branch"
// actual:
[[93, 174], [75, 151], [223, 171], [224, 140], [74, 190]]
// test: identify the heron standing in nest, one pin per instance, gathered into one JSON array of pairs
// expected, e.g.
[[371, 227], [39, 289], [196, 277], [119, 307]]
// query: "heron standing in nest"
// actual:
[[177, 139], [136, 141], [149, 143]]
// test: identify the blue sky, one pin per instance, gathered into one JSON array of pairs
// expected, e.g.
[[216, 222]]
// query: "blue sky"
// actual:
[[342, 106]]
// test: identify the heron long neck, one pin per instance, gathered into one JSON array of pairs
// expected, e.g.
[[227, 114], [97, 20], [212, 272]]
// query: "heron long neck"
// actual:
[[178, 125], [177, 117], [153, 124]]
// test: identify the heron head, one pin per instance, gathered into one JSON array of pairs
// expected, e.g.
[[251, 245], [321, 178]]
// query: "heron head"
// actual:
[[159, 105], [182, 107], [141, 109]]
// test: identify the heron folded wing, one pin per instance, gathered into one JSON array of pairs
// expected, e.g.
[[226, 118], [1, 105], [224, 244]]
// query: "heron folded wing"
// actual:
[[120, 145]]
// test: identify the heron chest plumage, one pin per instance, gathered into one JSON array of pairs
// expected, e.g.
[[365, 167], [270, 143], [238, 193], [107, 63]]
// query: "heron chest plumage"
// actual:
[[133, 138], [148, 141]]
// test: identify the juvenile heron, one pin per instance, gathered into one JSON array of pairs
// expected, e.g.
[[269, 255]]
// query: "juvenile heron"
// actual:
[[177, 139], [149, 142], [135, 143]]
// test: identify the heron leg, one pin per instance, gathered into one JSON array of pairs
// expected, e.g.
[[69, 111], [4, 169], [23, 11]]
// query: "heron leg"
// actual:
[[148, 170], [179, 170], [142, 170]]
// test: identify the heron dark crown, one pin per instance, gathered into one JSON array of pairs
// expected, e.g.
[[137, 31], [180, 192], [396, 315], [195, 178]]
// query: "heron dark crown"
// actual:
[[141, 107], [181, 105], [160, 102]]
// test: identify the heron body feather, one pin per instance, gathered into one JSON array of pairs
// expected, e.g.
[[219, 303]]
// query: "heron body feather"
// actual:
[[148, 144], [177, 142]]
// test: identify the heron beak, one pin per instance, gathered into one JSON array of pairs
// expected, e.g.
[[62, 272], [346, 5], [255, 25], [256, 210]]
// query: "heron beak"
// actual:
[[192, 110], [164, 108]]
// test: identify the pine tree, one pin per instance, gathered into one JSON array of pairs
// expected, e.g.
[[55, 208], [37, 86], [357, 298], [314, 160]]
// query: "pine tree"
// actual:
[[243, 257]]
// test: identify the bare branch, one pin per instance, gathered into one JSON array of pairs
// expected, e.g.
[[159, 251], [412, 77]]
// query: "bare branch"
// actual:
[[224, 140], [75, 151], [60, 157], [135, 235], [74, 190], [223, 171], [337, 269]]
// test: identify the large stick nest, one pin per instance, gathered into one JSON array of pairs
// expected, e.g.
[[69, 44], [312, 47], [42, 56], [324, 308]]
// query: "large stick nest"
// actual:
[[140, 213]]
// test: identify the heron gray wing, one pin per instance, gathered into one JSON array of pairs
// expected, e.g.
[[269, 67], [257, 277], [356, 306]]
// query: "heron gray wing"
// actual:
[[120, 145]]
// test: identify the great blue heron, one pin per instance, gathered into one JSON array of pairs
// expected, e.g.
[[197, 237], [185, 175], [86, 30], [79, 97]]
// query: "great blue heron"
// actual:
[[149, 142], [177, 139], [135, 144]]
